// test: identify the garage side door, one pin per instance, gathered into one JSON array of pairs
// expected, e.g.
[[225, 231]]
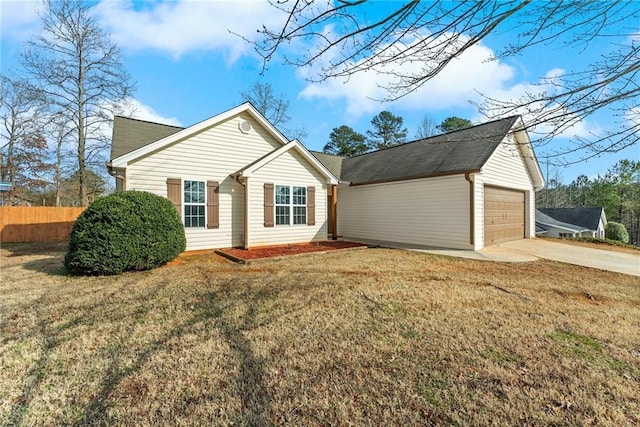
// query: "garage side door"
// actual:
[[503, 215]]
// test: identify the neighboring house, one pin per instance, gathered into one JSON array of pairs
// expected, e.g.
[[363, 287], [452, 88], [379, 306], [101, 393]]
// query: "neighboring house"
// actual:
[[572, 222], [237, 181], [551, 227]]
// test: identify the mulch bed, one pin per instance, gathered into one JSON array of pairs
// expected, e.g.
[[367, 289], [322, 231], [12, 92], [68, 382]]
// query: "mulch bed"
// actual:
[[286, 250]]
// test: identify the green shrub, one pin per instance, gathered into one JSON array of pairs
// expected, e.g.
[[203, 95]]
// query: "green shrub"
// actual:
[[129, 230], [609, 242], [616, 231]]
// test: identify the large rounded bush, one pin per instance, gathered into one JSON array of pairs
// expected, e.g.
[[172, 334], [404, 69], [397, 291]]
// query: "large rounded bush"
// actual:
[[129, 230], [616, 231]]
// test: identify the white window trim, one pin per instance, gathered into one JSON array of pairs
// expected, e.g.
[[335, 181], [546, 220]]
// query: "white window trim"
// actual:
[[291, 205], [184, 204]]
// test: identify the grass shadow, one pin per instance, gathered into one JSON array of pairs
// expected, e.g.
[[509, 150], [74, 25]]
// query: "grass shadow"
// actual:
[[49, 256], [38, 372], [250, 384], [51, 266], [37, 248]]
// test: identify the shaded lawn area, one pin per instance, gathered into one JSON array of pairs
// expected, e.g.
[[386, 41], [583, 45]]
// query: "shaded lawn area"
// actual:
[[288, 250], [362, 337]]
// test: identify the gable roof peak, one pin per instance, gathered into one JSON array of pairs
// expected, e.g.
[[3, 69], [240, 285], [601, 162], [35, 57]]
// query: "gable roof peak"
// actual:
[[120, 159]]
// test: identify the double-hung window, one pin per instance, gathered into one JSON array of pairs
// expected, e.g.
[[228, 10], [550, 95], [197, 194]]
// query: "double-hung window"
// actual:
[[299, 205], [194, 203], [290, 205]]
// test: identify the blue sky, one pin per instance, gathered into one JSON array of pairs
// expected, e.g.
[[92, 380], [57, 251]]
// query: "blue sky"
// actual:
[[188, 67]]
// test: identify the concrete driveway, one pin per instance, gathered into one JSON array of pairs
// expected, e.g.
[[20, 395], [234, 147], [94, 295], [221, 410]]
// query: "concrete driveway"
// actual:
[[531, 249]]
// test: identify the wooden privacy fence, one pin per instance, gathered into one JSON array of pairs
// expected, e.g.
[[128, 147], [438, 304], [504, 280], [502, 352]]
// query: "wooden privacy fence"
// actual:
[[36, 224]]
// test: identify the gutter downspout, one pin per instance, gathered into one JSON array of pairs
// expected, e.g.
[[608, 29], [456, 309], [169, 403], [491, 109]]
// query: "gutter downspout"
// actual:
[[334, 212], [472, 208], [117, 176], [244, 181]]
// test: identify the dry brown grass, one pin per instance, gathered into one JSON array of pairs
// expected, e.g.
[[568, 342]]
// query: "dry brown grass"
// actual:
[[365, 337]]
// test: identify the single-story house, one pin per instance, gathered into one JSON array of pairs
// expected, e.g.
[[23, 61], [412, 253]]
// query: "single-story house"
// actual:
[[572, 222], [234, 178], [238, 182]]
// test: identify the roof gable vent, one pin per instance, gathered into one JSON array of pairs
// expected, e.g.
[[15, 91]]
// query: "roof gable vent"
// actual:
[[245, 126]]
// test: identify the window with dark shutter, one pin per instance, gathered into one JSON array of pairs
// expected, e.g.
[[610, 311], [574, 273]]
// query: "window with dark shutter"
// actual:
[[268, 205], [213, 204], [174, 192], [311, 205]]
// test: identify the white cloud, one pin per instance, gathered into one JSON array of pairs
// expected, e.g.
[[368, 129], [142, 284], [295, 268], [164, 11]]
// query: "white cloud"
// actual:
[[573, 126], [19, 19], [174, 27], [454, 87], [135, 109], [466, 78], [178, 27], [632, 116], [138, 110]]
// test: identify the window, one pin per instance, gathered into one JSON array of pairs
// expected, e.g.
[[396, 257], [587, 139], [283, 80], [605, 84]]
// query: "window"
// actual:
[[194, 204], [299, 205], [290, 205]]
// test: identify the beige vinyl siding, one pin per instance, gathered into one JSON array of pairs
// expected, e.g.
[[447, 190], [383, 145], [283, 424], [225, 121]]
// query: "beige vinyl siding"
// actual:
[[422, 212], [211, 155], [505, 168], [290, 168]]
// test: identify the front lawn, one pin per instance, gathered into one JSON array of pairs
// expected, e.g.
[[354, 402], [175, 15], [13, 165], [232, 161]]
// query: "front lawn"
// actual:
[[363, 337]]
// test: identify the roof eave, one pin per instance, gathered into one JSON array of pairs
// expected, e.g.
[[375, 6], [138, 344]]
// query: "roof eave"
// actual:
[[528, 154], [409, 178], [574, 230]]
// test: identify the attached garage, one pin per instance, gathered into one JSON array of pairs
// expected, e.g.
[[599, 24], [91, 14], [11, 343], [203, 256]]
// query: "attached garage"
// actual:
[[504, 215], [462, 190]]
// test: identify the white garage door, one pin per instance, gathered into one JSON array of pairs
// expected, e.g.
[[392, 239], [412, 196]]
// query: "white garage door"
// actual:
[[504, 217]]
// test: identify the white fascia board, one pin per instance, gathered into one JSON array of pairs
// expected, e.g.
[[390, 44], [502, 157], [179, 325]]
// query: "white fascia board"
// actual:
[[603, 218], [124, 160], [573, 230], [528, 154]]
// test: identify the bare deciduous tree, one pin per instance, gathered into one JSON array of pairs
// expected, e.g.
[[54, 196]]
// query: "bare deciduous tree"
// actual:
[[80, 71], [60, 130], [273, 108], [411, 42], [22, 148], [426, 128]]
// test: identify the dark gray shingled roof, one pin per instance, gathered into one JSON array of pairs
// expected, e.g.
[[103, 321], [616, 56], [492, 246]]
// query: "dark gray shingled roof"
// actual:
[[331, 162], [466, 150], [131, 134], [544, 220], [584, 217]]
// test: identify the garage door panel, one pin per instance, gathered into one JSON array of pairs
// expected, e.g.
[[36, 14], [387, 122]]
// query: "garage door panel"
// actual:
[[504, 215]]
